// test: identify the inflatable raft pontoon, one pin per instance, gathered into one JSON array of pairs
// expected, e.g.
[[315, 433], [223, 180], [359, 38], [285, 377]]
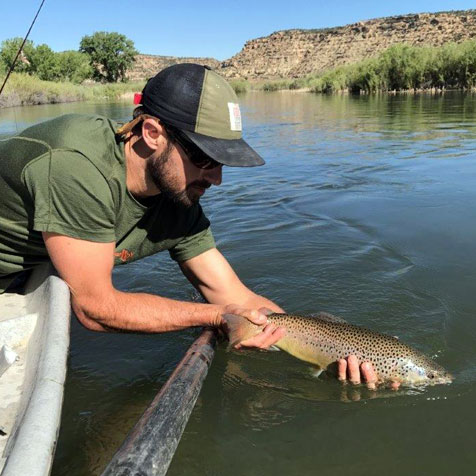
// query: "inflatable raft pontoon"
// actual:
[[34, 342]]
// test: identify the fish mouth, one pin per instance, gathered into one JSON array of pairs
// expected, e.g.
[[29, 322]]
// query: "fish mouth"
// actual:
[[433, 379], [439, 377], [446, 379]]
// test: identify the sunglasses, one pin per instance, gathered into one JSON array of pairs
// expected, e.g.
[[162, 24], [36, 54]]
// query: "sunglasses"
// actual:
[[196, 156]]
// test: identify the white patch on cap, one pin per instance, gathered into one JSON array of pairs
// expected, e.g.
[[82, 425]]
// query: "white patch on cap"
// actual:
[[235, 116]]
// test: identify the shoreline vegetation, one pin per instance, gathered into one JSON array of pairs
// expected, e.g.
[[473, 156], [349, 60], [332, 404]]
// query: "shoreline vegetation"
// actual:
[[25, 90], [97, 70], [400, 68]]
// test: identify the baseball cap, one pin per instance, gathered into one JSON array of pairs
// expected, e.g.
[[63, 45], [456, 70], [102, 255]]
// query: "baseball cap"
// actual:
[[201, 104]]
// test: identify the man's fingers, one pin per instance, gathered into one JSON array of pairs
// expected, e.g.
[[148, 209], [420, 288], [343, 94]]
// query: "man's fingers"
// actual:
[[253, 315], [277, 334], [350, 369], [369, 375], [353, 369], [266, 311], [270, 335], [395, 385], [342, 370]]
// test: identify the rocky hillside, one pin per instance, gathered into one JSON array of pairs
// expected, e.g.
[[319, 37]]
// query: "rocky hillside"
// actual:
[[296, 53], [147, 66]]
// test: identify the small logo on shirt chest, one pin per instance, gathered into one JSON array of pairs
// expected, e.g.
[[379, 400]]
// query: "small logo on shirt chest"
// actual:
[[124, 255]]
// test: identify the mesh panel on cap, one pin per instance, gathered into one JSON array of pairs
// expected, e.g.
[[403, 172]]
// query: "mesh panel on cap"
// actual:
[[173, 95]]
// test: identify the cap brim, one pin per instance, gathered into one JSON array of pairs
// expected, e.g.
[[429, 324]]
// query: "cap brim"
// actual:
[[231, 152]]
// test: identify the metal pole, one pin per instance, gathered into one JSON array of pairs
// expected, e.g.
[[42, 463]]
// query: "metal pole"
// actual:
[[150, 446]]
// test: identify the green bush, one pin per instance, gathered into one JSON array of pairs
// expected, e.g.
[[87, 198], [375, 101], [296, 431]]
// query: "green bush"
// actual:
[[400, 67], [74, 66], [366, 77], [44, 63], [331, 81], [239, 85], [280, 84]]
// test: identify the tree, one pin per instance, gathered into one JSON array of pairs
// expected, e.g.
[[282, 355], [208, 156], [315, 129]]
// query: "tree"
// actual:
[[74, 66], [44, 63], [9, 50], [112, 54]]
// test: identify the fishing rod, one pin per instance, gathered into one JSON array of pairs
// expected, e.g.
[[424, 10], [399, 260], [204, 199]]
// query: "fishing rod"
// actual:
[[21, 47]]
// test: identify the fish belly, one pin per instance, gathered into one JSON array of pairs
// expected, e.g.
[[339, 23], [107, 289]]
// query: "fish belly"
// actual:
[[304, 351]]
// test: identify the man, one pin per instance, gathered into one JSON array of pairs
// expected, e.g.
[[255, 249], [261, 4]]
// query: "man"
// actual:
[[79, 192]]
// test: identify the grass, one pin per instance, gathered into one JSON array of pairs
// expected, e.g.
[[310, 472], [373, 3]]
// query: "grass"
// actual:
[[281, 84], [240, 85], [399, 68], [23, 89]]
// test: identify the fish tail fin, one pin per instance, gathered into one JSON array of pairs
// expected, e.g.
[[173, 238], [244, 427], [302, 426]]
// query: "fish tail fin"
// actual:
[[239, 329]]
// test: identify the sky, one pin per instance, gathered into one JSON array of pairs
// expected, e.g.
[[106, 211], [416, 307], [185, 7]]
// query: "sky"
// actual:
[[200, 28]]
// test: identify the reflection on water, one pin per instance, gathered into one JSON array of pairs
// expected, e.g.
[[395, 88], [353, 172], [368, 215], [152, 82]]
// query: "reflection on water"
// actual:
[[365, 209]]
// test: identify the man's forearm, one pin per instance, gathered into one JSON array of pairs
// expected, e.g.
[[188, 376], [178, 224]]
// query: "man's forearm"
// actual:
[[139, 312]]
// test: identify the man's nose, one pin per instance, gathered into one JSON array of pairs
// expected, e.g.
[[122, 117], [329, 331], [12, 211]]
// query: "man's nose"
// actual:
[[214, 175]]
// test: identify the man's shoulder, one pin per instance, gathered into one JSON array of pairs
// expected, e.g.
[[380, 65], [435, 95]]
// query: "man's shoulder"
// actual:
[[72, 130], [92, 136]]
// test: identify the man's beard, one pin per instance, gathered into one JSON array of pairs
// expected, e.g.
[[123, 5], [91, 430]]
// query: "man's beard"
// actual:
[[164, 181]]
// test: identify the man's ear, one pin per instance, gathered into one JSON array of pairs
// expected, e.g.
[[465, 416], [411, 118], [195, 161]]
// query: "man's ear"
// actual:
[[153, 133]]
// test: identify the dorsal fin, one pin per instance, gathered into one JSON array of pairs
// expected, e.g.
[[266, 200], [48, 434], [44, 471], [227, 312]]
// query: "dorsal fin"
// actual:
[[325, 316]]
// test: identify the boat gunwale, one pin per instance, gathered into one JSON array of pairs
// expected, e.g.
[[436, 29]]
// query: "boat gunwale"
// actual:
[[30, 447]]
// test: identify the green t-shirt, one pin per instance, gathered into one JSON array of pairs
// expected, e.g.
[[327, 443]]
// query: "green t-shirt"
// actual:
[[68, 176]]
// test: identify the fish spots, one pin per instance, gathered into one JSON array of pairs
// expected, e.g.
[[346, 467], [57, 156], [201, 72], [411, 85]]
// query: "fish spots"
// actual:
[[322, 341]]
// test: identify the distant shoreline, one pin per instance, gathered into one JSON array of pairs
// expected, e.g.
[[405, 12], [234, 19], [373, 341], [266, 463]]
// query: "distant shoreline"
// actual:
[[26, 90], [395, 92], [42, 99]]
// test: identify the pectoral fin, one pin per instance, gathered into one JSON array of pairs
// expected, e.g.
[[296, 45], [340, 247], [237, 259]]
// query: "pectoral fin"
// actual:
[[316, 371]]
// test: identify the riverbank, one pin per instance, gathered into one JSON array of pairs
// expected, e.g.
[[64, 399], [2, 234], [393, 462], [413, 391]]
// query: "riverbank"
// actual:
[[399, 68], [26, 90]]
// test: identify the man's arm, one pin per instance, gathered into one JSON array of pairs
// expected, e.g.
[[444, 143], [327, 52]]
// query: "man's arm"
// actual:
[[215, 279], [87, 266], [211, 274]]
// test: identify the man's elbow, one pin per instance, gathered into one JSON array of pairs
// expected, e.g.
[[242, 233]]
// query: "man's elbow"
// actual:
[[93, 314]]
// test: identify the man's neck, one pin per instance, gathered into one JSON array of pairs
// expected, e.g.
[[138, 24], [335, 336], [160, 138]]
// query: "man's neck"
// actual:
[[137, 181]]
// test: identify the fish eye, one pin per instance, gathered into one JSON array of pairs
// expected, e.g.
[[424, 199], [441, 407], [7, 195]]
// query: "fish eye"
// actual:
[[431, 375]]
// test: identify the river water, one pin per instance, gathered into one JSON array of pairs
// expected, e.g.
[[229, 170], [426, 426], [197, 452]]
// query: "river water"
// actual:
[[365, 209]]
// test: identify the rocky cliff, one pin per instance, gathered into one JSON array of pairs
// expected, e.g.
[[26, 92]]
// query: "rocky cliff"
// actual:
[[147, 66], [296, 53]]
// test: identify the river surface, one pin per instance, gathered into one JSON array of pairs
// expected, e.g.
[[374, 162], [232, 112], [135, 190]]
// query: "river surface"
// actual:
[[366, 208]]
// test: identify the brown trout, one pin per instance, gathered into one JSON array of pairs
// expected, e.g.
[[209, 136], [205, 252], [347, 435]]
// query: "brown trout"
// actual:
[[323, 339]]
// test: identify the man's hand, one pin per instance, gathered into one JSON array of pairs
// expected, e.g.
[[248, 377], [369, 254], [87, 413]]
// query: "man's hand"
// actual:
[[270, 334], [351, 370], [218, 283]]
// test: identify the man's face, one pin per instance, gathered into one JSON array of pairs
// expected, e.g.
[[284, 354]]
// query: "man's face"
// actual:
[[175, 175]]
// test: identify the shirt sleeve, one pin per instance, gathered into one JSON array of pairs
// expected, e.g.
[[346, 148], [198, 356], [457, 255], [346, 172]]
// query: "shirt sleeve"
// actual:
[[198, 239], [70, 196]]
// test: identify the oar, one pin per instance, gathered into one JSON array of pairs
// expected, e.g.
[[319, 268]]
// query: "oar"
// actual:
[[150, 446]]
